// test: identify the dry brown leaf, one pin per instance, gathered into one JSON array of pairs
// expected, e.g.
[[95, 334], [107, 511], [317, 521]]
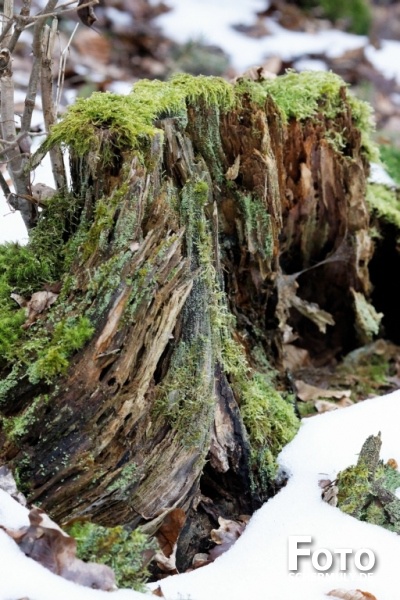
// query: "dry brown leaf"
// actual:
[[158, 592], [323, 406], [39, 302], [47, 544], [307, 392], [167, 537], [351, 595], [226, 535], [294, 357]]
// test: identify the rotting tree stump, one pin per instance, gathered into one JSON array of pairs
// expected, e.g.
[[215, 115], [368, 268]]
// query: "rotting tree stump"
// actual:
[[209, 226]]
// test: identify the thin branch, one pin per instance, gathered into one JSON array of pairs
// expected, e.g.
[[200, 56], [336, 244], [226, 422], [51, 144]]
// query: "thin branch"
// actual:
[[61, 68], [61, 10], [21, 22], [49, 113], [6, 28], [35, 73]]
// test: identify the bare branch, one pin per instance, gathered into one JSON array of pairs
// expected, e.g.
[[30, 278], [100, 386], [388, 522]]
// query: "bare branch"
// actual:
[[49, 113], [35, 73], [6, 28], [21, 21], [61, 68]]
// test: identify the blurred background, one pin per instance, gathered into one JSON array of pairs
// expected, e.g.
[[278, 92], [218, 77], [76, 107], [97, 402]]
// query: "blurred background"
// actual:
[[133, 39]]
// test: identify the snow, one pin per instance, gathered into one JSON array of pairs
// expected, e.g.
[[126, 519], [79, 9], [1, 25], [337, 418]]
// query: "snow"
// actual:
[[379, 175], [212, 22], [256, 567]]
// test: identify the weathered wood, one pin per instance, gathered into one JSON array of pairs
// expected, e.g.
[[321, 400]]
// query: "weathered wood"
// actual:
[[183, 253]]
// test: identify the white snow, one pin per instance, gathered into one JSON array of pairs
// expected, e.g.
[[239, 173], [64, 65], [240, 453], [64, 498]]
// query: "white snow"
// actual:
[[256, 567], [379, 175]]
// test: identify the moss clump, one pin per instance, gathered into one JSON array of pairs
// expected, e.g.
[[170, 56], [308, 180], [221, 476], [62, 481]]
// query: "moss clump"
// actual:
[[304, 95], [69, 336], [127, 122], [315, 95], [124, 551], [269, 418], [366, 490], [384, 202], [27, 269]]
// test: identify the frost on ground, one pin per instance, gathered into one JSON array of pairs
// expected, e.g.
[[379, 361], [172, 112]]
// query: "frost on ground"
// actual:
[[256, 567]]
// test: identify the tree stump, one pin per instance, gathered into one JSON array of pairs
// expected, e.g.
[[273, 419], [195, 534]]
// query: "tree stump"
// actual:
[[209, 225]]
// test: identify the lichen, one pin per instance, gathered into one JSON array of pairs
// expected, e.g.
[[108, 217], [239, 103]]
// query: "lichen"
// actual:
[[368, 320], [17, 427], [123, 551]]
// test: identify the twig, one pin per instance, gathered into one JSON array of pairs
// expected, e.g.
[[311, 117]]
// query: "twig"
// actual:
[[49, 113], [61, 68], [21, 22]]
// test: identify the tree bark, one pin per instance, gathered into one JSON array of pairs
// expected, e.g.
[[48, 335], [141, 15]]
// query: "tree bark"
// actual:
[[196, 267]]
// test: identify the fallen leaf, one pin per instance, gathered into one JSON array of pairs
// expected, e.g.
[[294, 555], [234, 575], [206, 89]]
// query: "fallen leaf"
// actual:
[[323, 406], [351, 595], [167, 537], [294, 357], [46, 543], [39, 302], [307, 392], [226, 535]]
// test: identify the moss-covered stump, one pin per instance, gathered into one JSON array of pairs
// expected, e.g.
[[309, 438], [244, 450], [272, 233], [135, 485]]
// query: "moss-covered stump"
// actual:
[[199, 209]]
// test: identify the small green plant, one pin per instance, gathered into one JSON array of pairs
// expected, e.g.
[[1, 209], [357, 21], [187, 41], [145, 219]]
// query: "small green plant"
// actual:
[[124, 551]]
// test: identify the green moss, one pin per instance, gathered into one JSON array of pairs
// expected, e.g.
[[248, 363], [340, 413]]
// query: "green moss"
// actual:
[[125, 552], [390, 156], [269, 417], [309, 94], [366, 490], [127, 122], [384, 202], [187, 392], [258, 225], [17, 427], [26, 270], [69, 336]]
